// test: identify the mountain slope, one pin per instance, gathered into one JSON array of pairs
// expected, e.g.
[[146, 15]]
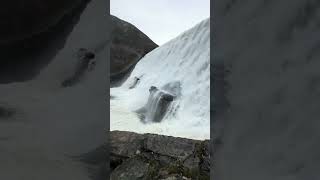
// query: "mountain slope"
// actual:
[[128, 46]]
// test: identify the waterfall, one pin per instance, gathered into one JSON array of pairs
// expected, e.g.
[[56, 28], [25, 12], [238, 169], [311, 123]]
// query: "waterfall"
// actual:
[[157, 105], [178, 70]]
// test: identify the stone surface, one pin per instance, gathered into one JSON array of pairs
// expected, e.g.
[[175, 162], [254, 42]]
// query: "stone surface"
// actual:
[[157, 105], [150, 156]]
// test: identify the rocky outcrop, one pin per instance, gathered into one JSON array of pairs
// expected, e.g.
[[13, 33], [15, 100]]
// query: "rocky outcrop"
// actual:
[[157, 105], [151, 156], [128, 46]]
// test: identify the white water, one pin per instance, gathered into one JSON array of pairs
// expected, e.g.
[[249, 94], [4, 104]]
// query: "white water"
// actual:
[[185, 59]]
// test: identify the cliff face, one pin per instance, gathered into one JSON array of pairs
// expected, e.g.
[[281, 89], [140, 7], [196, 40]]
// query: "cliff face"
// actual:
[[150, 156], [128, 46], [271, 52]]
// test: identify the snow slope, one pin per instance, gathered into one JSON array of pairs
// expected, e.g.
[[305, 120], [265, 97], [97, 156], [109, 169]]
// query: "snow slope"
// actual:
[[185, 59]]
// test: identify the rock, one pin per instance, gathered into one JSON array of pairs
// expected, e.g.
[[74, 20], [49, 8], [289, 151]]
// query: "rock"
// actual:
[[179, 148], [159, 157], [167, 97], [135, 82], [152, 89], [157, 105], [125, 144], [132, 168], [128, 46]]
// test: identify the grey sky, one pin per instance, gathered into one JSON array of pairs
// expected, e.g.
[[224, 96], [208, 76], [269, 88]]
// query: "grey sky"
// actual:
[[161, 20]]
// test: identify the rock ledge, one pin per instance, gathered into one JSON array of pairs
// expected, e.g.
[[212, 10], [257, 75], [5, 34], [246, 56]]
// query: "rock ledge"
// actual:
[[150, 156]]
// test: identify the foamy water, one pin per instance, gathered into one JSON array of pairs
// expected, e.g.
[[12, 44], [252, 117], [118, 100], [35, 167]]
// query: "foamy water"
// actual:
[[185, 59]]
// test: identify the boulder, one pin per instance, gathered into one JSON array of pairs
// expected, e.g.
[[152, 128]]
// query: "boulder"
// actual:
[[157, 105], [134, 83]]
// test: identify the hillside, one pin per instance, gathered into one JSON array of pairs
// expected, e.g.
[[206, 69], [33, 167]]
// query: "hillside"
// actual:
[[128, 46]]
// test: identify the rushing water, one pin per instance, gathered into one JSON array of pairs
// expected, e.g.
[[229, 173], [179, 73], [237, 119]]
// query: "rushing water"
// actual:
[[180, 68]]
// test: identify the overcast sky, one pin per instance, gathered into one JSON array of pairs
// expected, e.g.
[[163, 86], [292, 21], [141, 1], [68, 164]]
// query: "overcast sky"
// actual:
[[161, 20]]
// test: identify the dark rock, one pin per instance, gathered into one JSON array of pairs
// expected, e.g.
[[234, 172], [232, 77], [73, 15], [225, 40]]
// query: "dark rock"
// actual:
[[135, 82], [153, 88], [133, 168], [167, 97], [150, 156], [157, 105], [128, 46]]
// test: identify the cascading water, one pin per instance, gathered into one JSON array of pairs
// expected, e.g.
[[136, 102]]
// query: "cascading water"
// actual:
[[159, 103], [156, 106], [168, 92]]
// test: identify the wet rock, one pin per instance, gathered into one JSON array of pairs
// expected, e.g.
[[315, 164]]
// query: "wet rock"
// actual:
[[150, 156], [157, 105], [179, 148], [135, 82]]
